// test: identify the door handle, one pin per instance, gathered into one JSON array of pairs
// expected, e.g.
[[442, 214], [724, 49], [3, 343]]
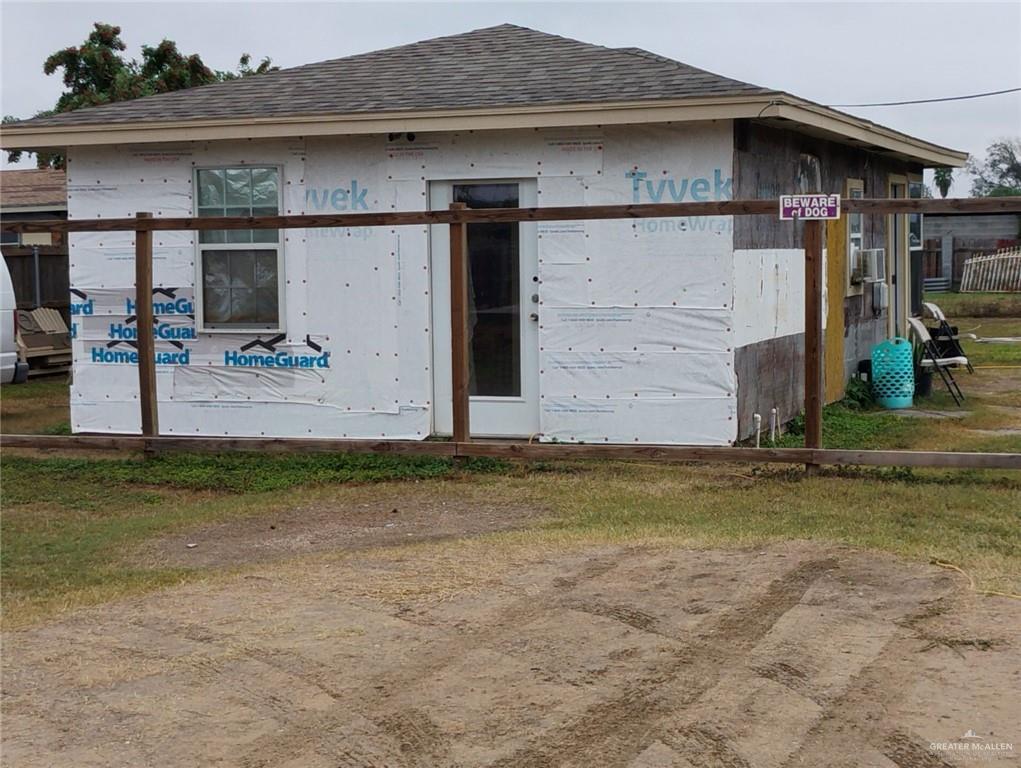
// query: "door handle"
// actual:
[[534, 317]]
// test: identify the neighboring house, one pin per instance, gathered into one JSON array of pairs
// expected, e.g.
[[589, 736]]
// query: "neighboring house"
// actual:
[[950, 239], [37, 261], [33, 194], [673, 330]]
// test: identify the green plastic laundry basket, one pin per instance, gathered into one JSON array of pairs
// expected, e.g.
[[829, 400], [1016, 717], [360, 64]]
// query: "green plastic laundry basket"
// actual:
[[893, 373]]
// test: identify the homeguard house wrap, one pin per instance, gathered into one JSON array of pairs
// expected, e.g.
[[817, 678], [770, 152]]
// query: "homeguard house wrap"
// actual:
[[672, 330]]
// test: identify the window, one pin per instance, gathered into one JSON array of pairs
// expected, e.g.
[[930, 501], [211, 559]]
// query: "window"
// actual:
[[916, 190], [855, 236], [239, 269], [10, 238]]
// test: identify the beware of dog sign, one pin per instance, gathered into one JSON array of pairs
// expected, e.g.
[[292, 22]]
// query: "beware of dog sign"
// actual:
[[809, 207]]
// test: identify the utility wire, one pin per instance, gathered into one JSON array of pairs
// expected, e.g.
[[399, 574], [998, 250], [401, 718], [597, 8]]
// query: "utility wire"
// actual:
[[930, 101]]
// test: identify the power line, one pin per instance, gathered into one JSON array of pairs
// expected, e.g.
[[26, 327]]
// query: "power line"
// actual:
[[930, 101]]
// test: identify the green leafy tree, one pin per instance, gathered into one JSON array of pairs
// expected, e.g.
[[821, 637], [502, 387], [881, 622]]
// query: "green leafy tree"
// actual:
[[999, 173], [96, 73], [943, 178]]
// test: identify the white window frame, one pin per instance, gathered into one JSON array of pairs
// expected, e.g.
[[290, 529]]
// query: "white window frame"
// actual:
[[854, 189], [278, 246]]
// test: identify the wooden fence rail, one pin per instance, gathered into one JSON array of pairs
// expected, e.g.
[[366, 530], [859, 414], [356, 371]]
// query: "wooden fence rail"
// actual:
[[504, 215], [457, 217], [503, 449]]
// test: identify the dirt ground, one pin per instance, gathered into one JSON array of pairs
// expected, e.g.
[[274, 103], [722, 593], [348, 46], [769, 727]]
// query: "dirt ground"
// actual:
[[510, 653], [382, 519]]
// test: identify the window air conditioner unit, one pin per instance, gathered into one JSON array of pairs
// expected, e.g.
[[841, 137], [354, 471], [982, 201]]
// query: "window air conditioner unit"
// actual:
[[873, 264]]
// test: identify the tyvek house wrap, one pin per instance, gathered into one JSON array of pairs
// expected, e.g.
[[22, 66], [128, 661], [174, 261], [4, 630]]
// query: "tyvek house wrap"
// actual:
[[636, 317]]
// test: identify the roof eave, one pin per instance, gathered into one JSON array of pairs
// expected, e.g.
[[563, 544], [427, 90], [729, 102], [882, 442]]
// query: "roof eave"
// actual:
[[748, 106], [865, 132]]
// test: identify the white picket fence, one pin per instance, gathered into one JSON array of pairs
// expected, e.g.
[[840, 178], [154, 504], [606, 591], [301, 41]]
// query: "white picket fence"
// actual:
[[1000, 271]]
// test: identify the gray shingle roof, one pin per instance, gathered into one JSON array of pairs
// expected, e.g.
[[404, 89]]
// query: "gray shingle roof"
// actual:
[[506, 65]]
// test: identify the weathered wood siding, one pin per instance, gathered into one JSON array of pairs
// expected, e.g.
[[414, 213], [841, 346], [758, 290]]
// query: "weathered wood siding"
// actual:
[[766, 165], [975, 226], [770, 374]]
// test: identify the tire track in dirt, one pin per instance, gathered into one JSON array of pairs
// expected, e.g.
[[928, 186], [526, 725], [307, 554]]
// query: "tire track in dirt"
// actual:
[[874, 691], [615, 731], [420, 740], [709, 747], [397, 727], [623, 613], [905, 752]]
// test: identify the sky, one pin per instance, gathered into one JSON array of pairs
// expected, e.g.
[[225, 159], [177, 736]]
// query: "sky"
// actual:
[[831, 53]]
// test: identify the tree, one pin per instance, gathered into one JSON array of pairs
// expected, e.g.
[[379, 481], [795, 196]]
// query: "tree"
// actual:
[[943, 178], [999, 174], [96, 73]]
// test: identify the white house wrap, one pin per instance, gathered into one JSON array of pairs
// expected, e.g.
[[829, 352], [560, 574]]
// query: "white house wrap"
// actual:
[[635, 323]]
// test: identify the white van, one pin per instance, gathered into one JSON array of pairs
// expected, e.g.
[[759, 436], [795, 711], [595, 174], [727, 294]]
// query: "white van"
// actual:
[[12, 370]]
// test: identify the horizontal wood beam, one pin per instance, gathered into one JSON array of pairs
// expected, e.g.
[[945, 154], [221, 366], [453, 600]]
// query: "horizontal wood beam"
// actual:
[[227, 444], [490, 215], [28, 251], [517, 450]]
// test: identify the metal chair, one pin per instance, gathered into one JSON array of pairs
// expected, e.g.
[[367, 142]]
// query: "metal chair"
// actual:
[[933, 360], [947, 339]]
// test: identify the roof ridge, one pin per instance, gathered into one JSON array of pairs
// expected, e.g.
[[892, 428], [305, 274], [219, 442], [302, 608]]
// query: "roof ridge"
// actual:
[[635, 51], [414, 43]]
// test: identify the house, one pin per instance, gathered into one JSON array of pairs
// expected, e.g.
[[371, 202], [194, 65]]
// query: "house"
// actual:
[[37, 262], [33, 194], [672, 330]]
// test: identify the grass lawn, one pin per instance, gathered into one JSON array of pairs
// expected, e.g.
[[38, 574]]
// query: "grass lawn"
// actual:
[[956, 305], [70, 525], [39, 406]]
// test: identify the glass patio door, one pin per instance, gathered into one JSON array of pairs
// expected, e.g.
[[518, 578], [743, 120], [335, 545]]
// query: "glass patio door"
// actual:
[[503, 308]]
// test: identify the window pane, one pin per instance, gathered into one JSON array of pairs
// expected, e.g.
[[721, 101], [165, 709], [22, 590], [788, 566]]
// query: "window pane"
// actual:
[[265, 235], [242, 269], [216, 305], [494, 293], [242, 305], [266, 300], [915, 230], [211, 236], [215, 268], [238, 235], [265, 189], [239, 188], [211, 189], [266, 269]]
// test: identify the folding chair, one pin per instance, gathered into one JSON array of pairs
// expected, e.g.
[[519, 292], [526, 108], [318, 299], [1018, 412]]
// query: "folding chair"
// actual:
[[932, 359], [947, 339]]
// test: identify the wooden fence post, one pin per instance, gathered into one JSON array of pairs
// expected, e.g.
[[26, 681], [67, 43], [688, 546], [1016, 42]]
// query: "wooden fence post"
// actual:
[[459, 353], [144, 324], [813, 236]]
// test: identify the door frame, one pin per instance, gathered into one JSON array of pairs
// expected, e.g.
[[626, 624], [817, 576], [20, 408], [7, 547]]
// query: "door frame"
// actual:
[[897, 269], [528, 245]]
